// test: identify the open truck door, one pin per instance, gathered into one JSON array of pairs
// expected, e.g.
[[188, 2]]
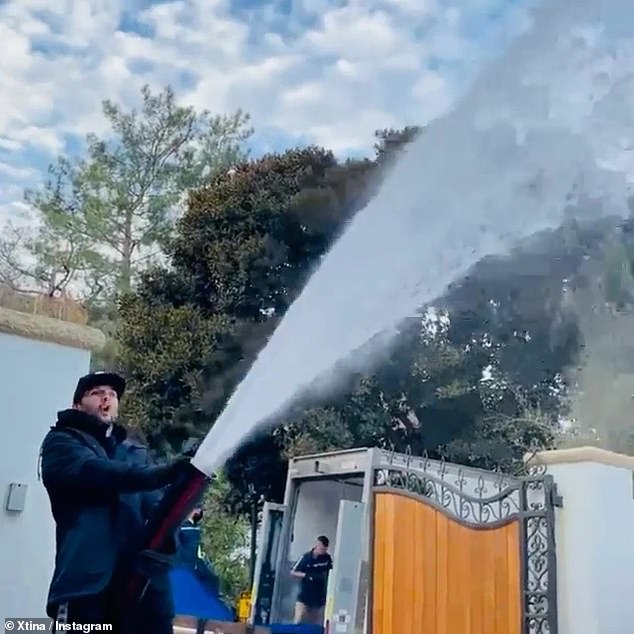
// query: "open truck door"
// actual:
[[343, 583], [267, 563]]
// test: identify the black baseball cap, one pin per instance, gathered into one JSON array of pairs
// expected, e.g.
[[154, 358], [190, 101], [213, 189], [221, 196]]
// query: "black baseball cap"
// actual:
[[95, 379]]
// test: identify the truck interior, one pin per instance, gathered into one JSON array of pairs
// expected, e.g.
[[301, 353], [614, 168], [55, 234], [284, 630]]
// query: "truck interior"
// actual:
[[316, 513], [288, 531]]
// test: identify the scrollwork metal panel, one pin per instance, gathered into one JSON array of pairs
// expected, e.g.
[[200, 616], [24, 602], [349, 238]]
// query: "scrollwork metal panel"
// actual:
[[539, 499]]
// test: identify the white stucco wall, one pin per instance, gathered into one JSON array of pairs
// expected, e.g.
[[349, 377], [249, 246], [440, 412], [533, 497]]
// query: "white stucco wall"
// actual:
[[595, 541], [37, 379]]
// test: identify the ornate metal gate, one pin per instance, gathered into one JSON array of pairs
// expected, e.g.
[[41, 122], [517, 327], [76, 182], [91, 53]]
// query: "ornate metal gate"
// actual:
[[488, 538]]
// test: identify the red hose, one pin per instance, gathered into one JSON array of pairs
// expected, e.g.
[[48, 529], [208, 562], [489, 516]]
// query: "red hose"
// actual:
[[182, 506], [177, 503]]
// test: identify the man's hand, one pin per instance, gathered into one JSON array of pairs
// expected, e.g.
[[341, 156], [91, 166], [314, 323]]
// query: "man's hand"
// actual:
[[160, 476], [179, 466]]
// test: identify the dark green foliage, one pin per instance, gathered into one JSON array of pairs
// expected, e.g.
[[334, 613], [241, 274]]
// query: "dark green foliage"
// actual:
[[257, 472], [478, 380], [250, 237], [241, 253], [390, 141], [167, 352], [225, 541]]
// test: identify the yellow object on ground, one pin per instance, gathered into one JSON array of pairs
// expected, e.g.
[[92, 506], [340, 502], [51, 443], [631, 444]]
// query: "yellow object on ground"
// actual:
[[243, 607]]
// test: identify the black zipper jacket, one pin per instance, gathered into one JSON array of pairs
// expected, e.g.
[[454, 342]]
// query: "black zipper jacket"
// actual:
[[101, 488]]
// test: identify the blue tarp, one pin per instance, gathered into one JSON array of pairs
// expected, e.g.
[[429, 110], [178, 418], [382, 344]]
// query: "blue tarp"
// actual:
[[193, 598]]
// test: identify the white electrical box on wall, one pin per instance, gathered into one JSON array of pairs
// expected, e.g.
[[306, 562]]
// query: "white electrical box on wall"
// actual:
[[16, 499]]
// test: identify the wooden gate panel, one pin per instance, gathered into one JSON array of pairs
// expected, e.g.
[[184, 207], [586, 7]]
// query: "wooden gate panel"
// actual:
[[433, 575]]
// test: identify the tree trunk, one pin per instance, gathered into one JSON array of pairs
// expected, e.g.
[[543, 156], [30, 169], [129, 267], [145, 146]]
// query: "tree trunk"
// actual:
[[125, 273]]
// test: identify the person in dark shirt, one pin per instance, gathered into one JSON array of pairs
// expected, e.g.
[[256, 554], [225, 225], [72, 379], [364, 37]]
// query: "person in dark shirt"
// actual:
[[190, 553], [312, 569]]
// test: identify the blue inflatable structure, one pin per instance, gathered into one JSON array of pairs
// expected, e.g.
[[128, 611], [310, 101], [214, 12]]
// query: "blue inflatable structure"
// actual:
[[195, 599]]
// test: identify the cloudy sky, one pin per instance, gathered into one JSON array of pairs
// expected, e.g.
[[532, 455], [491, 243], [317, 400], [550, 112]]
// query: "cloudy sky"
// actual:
[[324, 71]]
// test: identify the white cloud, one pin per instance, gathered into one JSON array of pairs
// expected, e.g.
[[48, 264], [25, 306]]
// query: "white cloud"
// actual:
[[355, 33], [330, 72], [434, 94], [17, 173]]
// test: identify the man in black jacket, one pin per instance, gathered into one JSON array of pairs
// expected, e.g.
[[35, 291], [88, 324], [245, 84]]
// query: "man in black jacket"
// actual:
[[102, 488]]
